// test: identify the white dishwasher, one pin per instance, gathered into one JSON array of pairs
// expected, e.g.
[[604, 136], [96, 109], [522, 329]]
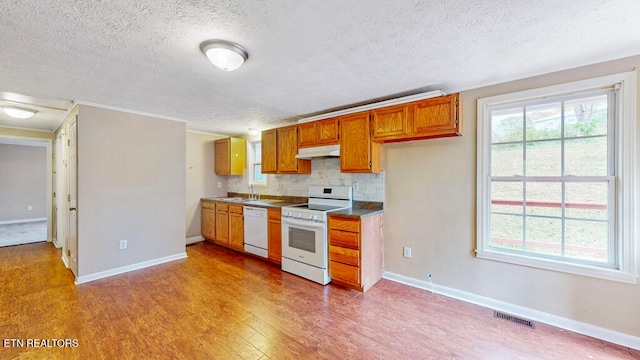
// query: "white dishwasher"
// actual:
[[255, 231]]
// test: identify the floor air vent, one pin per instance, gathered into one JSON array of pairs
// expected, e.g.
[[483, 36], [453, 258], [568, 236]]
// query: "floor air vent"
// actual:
[[514, 319]]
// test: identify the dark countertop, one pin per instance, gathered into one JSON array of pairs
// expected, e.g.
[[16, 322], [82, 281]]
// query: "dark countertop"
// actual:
[[360, 209], [247, 202]]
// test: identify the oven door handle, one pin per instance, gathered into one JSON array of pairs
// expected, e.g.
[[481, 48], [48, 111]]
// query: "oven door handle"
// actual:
[[303, 223]]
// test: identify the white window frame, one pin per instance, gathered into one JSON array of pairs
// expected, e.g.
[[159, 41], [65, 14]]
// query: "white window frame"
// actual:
[[252, 161], [627, 216]]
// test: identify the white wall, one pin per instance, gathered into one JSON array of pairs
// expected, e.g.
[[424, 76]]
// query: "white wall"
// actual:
[[131, 186], [431, 206], [201, 179], [23, 182]]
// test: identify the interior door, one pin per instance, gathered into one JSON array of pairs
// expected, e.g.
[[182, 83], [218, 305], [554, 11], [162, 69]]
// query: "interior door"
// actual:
[[61, 190], [73, 192]]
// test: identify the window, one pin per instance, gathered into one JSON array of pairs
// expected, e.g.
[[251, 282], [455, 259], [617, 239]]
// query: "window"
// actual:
[[556, 177], [255, 159]]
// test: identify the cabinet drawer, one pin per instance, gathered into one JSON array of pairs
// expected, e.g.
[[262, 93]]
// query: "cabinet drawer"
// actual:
[[346, 273], [236, 209], [345, 256], [344, 239], [222, 207], [208, 205], [337, 223]]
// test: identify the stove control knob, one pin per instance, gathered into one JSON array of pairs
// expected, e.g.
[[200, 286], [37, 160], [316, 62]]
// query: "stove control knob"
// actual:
[[289, 213], [315, 217]]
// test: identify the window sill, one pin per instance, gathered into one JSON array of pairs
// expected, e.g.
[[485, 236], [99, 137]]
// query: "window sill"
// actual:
[[584, 270]]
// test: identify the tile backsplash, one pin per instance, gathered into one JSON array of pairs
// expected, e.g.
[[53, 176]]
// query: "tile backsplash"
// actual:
[[366, 187]]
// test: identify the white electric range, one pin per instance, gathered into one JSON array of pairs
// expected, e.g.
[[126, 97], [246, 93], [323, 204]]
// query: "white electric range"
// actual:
[[304, 232]]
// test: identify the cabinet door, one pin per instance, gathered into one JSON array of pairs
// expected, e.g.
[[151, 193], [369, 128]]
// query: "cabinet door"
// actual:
[[389, 122], [208, 229], [237, 156], [269, 152], [436, 117], [274, 228], [222, 227], [328, 131], [287, 149], [307, 134], [222, 157], [275, 240], [236, 235], [357, 152]]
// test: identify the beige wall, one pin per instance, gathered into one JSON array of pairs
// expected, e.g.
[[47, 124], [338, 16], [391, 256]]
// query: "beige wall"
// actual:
[[131, 186], [23, 182], [430, 205], [201, 179]]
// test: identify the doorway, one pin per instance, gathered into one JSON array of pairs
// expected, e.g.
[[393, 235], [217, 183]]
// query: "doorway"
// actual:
[[25, 190]]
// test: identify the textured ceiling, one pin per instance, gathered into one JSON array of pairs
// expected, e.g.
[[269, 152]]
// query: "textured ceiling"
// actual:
[[305, 57]]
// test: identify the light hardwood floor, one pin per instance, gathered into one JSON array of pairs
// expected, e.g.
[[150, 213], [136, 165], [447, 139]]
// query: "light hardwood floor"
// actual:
[[219, 304]]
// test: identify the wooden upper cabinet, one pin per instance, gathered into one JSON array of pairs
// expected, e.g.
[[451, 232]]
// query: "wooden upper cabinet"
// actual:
[[287, 149], [308, 134], [230, 156], [319, 133], [287, 139], [357, 152], [328, 131], [269, 152], [436, 117], [423, 119], [390, 122]]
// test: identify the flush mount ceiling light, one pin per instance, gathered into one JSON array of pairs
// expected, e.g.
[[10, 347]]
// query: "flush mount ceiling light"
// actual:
[[226, 55], [253, 131], [18, 112]]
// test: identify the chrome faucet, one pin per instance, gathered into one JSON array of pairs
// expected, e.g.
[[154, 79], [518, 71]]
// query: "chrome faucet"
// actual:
[[251, 195]]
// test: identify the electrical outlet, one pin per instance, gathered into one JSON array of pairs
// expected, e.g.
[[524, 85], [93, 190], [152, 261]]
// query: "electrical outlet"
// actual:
[[219, 184], [123, 244], [407, 252], [29, 207]]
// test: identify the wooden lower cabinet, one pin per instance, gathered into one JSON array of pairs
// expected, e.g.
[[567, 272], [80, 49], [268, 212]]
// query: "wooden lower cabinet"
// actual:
[[222, 224], [208, 217], [236, 227], [274, 228], [355, 251]]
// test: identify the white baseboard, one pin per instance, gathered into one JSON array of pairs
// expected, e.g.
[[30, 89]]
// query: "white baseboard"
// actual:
[[65, 260], [194, 239], [132, 267], [543, 317], [7, 222]]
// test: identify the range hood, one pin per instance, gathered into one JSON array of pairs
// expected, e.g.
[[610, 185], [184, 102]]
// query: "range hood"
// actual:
[[318, 152]]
